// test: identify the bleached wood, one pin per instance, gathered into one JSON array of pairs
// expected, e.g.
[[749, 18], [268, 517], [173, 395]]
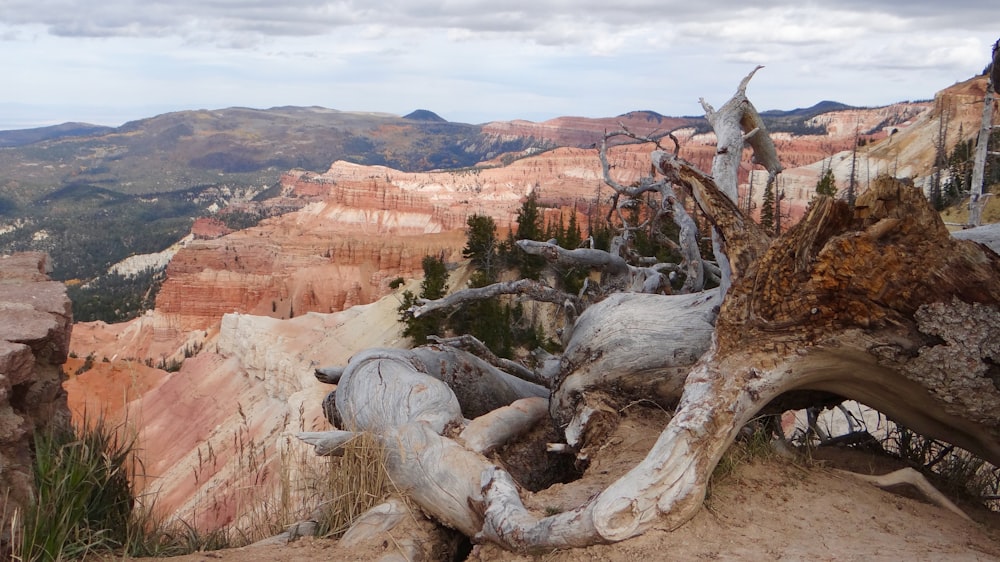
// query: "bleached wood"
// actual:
[[977, 201], [500, 426], [580, 257], [379, 519], [635, 279], [840, 304], [688, 246], [327, 443], [479, 349], [737, 123], [529, 287], [406, 394], [673, 332], [913, 478]]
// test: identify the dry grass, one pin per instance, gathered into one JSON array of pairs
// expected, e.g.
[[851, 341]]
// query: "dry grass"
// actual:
[[276, 491], [357, 482], [959, 214], [753, 444]]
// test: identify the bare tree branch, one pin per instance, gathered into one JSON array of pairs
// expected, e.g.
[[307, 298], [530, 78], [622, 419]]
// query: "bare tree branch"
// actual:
[[473, 345], [527, 287]]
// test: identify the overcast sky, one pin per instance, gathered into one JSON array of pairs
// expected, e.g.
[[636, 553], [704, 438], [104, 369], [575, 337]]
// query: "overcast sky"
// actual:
[[111, 61]]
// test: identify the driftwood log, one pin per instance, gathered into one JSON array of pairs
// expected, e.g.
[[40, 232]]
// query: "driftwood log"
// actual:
[[874, 302]]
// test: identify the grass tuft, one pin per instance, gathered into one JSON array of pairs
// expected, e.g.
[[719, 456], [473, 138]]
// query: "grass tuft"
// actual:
[[752, 444], [358, 481], [85, 500]]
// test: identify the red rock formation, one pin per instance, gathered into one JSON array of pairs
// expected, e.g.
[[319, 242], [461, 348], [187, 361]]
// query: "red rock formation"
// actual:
[[583, 131], [908, 152], [206, 228], [107, 387], [35, 324], [359, 228]]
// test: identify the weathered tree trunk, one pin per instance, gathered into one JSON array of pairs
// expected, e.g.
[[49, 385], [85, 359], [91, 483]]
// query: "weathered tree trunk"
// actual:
[[399, 395], [977, 200], [736, 124], [843, 304], [874, 302]]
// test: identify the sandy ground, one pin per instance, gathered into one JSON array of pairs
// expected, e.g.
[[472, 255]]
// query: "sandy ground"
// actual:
[[766, 509]]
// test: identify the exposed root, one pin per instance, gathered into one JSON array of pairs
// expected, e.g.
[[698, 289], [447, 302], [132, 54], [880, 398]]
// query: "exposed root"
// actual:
[[915, 479]]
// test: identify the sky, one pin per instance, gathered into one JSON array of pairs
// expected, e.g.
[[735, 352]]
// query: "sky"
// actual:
[[111, 61]]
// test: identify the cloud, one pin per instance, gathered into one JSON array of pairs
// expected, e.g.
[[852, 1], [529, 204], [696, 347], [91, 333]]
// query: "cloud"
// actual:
[[485, 59]]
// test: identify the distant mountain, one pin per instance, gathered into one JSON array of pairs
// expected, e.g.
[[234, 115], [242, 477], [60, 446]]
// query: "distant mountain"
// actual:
[[23, 137], [646, 114], [824, 106], [91, 196], [424, 115], [240, 146]]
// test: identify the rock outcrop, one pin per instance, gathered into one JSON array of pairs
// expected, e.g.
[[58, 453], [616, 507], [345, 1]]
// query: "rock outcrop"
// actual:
[[35, 323], [901, 142], [583, 131], [360, 227], [216, 432]]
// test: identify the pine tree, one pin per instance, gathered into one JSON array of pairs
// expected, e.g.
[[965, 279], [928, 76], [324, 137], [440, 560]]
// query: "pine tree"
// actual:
[[529, 227], [827, 184], [767, 208], [573, 238], [851, 193], [482, 246], [434, 286]]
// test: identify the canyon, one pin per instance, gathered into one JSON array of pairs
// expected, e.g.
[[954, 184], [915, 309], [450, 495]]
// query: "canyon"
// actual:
[[219, 375]]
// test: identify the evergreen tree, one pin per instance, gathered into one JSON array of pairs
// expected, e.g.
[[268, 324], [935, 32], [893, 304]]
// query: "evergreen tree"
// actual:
[[482, 246], [434, 286], [485, 320], [767, 208], [529, 227], [435, 283], [959, 174], [827, 185], [572, 237], [529, 219]]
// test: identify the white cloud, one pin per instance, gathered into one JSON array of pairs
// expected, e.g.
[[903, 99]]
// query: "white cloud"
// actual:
[[480, 60]]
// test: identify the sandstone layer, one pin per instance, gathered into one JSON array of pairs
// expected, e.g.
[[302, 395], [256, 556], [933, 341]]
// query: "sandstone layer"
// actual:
[[903, 144], [35, 325], [216, 435], [360, 227]]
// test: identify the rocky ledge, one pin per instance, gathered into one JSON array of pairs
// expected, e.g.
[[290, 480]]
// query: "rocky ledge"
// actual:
[[35, 323]]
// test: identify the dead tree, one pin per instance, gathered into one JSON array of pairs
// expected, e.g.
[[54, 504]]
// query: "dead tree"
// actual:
[[977, 199], [873, 301]]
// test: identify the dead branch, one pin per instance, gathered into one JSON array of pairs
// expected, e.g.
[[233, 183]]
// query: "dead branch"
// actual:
[[473, 345], [913, 478], [530, 288]]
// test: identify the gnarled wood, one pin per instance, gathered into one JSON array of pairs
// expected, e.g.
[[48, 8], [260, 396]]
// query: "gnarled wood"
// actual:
[[868, 347], [742, 239], [673, 330], [874, 302], [913, 478], [498, 427]]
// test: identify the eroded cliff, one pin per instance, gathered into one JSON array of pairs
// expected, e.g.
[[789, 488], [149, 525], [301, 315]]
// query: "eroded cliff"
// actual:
[[35, 325]]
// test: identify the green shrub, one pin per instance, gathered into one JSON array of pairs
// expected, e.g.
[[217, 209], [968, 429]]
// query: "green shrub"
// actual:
[[85, 495]]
